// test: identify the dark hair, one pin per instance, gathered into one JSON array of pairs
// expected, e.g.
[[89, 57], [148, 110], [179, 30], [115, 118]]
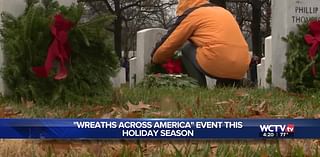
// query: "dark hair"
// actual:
[[221, 3]]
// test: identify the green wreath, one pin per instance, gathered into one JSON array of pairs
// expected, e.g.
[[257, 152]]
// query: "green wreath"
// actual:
[[298, 68], [25, 43]]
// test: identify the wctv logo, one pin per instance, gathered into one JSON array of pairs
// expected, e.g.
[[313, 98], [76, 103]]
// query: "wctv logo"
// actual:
[[289, 128]]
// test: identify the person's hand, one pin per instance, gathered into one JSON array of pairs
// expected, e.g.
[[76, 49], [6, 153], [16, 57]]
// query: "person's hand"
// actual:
[[255, 60]]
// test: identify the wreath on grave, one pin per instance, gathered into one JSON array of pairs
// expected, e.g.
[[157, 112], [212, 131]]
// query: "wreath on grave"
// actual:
[[302, 68], [48, 36], [169, 74], [172, 66]]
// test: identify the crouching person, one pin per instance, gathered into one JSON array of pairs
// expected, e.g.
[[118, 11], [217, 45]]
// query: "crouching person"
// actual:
[[216, 46]]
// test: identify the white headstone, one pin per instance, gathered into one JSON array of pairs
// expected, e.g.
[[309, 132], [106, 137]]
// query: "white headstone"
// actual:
[[261, 73], [16, 8], [286, 14], [268, 52], [131, 54], [268, 58], [119, 79], [133, 71], [211, 82], [265, 65], [146, 41]]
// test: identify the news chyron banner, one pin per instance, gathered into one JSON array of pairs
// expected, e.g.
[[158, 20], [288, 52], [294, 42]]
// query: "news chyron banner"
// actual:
[[158, 128]]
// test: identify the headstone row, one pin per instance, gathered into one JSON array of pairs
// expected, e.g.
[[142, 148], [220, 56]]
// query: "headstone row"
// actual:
[[146, 41], [286, 14], [266, 65]]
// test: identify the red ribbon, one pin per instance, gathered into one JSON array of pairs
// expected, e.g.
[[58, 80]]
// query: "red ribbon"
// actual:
[[173, 66], [59, 49], [314, 41]]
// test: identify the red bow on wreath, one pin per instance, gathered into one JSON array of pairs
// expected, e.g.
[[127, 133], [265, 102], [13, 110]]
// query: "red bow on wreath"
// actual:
[[173, 66], [314, 41], [59, 49]]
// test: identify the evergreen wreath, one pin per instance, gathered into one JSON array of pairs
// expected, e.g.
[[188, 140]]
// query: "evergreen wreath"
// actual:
[[26, 40], [298, 70], [170, 74], [168, 80]]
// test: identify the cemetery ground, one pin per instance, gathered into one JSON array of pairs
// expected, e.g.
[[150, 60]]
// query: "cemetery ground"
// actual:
[[171, 103]]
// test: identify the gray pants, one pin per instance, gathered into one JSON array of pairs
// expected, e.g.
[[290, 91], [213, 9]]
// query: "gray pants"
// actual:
[[194, 70]]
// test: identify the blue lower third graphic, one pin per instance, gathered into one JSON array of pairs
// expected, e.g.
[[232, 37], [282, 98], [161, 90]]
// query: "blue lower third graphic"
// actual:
[[159, 128]]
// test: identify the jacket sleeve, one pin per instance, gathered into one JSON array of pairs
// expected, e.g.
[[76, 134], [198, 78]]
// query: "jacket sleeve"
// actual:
[[174, 39]]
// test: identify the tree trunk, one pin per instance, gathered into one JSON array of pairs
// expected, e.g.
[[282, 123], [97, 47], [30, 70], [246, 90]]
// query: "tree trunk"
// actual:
[[256, 37], [255, 28], [117, 37], [117, 29]]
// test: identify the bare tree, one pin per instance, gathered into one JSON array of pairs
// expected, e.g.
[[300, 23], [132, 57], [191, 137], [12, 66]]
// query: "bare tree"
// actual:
[[159, 16], [253, 17], [266, 18], [133, 15], [127, 13]]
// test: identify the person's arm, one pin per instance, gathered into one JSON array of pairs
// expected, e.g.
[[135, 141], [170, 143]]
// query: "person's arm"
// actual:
[[174, 39]]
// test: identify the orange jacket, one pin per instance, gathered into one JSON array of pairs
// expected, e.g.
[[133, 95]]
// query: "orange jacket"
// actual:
[[221, 48]]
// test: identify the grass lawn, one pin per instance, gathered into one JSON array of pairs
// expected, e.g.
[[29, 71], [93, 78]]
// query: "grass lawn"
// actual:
[[172, 103]]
